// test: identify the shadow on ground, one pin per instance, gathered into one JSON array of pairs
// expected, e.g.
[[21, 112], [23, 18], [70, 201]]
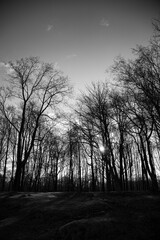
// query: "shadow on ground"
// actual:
[[79, 216]]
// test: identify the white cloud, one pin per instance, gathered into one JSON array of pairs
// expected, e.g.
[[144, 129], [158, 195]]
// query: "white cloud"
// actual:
[[56, 66], [71, 56], [104, 22], [6, 67], [2, 64], [49, 27]]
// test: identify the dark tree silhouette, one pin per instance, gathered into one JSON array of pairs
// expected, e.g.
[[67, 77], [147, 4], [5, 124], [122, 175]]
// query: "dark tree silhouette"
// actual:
[[34, 87]]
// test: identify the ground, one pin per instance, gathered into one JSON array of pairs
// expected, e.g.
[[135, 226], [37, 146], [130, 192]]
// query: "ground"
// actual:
[[79, 216]]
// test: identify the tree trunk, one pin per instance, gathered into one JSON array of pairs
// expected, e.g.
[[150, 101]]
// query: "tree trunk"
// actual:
[[153, 171], [79, 168], [17, 180], [5, 164]]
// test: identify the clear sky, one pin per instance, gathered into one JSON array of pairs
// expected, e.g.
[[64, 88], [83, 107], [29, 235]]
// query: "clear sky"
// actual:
[[83, 37]]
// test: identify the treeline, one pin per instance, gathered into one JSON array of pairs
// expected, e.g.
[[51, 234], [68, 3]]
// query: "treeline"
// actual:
[[110, 142]]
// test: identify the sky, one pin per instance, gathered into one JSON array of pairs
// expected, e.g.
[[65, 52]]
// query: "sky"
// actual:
[[81, 37]]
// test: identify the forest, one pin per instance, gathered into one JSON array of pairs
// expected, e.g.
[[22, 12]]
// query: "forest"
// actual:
[[109, 140]]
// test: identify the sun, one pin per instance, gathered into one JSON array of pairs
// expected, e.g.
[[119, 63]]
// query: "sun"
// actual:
[[102, 148]]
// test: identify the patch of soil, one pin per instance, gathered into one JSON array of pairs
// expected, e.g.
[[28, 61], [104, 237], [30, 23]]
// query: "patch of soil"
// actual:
[[96, 216]]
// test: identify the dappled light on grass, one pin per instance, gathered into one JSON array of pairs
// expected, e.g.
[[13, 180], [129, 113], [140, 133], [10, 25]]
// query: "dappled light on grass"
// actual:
[[8, 221], [94, 216]]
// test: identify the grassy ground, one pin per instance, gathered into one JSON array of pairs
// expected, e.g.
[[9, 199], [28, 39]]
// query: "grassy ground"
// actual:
[[79, 216]]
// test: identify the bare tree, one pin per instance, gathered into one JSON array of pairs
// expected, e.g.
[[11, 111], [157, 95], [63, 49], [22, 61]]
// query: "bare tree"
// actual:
[[35, 88], [141, 79], [95, 109]]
